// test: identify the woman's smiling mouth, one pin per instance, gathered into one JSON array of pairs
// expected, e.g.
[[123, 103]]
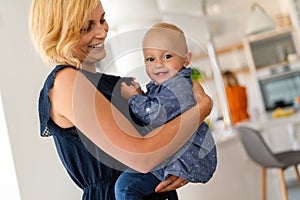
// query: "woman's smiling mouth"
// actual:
[[97, 45]]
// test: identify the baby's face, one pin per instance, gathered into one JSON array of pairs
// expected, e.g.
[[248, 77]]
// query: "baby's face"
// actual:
[[164, 54], [162, 65]]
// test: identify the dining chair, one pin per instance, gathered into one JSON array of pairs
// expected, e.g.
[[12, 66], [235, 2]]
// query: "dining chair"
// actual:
[[260, 153]]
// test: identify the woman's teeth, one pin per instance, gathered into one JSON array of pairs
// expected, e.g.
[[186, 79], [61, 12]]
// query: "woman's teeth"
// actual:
[[96, 46]]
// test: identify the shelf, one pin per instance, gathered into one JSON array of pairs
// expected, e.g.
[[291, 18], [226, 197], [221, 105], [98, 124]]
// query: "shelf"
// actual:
[[281, 64], [219, 52], [271, 49], [269, 34]]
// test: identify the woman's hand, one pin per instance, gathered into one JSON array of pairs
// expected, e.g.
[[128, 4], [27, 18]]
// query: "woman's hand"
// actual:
[[203, 101], [172, 183]]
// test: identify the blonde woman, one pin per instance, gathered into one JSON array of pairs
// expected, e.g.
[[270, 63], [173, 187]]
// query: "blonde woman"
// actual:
[[93, 138]]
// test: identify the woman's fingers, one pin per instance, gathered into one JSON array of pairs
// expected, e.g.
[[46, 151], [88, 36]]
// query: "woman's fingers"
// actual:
[[172, 183]]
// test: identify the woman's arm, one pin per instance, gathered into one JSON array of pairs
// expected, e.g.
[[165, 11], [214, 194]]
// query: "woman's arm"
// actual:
[[76, 100]]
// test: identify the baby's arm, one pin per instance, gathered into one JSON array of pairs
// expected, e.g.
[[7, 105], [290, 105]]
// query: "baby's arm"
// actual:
[[172, 98]]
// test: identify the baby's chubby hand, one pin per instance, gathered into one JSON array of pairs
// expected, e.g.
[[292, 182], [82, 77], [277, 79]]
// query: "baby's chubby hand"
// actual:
[[128, 90]]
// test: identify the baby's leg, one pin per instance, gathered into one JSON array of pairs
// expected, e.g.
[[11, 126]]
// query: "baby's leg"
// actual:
[[133, 186]]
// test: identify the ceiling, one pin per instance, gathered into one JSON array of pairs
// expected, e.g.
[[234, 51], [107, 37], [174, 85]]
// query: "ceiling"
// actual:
[[222, 20]]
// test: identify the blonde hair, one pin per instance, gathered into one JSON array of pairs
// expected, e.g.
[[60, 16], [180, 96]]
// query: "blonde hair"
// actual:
[[55, 27], [168, 26], [230, 79]]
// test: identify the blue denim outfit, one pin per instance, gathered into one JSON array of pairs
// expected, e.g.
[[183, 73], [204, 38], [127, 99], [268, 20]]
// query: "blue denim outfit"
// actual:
[[196, 161], [90, 168]]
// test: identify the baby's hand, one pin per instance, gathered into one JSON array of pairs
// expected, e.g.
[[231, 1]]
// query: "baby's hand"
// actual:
[[128, 91]]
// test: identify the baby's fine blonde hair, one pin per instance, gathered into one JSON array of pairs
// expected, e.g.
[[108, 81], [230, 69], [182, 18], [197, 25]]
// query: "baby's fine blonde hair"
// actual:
[[55, 27], [168, 26], [171, 30]]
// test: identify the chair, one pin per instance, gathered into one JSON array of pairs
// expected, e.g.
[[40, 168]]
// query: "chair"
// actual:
[[259, 152]]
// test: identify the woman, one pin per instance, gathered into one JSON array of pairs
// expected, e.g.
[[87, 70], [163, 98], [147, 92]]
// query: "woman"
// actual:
[[236, 96], [71, 34]]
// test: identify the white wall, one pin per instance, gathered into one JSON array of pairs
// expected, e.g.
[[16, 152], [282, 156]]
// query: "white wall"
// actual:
[[39, 171], [8, 182]]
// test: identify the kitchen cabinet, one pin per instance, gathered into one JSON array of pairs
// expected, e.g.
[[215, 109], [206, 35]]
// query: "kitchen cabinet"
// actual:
[[269, 54], [294, 10], [272, 48]]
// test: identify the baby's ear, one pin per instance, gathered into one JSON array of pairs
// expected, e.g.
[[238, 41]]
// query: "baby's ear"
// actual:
[[187, 58]]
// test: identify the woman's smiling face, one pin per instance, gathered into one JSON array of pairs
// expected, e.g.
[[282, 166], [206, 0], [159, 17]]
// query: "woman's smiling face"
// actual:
[[90, 47]]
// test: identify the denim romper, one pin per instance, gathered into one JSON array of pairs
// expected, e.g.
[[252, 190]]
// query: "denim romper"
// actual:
[[77, 153], [196, 161]]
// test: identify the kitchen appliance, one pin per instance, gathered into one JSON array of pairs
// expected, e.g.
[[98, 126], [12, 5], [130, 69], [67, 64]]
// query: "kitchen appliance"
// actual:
[[279, 90]]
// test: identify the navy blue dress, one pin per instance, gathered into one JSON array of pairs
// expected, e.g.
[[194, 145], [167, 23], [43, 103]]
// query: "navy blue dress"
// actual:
[[90, 168]]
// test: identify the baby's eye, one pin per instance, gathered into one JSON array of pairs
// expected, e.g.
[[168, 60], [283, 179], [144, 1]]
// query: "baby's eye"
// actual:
[[149, 59], [166, 57]]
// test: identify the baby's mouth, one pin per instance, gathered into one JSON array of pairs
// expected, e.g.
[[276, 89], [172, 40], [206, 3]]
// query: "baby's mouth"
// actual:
[[160, 73]]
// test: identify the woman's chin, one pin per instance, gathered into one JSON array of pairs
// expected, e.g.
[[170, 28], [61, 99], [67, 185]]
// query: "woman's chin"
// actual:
[[97, 56], [101, 56]]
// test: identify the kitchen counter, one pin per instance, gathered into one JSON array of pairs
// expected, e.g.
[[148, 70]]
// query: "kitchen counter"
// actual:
[[269, 121], [280, 133]]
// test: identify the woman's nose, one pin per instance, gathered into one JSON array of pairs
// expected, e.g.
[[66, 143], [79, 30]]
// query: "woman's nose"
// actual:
[[101, 31]]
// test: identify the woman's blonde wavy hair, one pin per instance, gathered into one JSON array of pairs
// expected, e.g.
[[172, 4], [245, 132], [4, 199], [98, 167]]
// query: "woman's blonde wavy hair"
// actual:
[[55, 27]]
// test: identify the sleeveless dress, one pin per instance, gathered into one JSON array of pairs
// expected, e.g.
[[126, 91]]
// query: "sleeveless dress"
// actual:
[[82, 160]]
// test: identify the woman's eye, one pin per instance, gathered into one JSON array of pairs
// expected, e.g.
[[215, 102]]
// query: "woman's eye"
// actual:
[[150, 59], [87, 29], [166, 57], [102, 21], [83, 30]]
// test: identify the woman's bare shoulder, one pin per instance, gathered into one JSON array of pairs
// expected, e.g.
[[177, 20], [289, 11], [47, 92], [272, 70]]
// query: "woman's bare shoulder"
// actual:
[[67, 74], [61, 96]]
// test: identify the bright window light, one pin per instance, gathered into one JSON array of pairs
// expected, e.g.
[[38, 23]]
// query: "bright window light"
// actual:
[[8, 180]]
